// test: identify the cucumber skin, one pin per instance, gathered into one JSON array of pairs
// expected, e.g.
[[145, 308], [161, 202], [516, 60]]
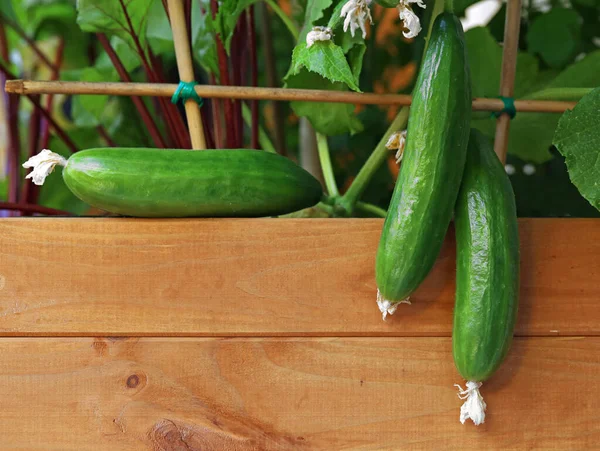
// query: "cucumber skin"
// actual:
[[434, 158], [487, 264], [184, 183]]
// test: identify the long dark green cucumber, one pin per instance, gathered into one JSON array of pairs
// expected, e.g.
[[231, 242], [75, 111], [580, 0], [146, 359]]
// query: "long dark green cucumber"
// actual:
[[487, 271], [184, 183], [434, 158]]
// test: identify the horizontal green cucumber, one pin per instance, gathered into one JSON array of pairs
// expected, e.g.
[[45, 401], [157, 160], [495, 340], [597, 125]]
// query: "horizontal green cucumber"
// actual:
[[432, 166], [185, 183], [487, 268]]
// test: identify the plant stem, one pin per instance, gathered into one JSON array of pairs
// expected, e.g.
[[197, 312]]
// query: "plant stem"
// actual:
[[217, 117], [272, 78], [30, 42], [370, 208], [236, 61], [32, 144], [293, 29], [253, 75], [449, 6], [137, 101], [105, 136], [375, 160], [326, 167], [57, 128], [559, 94], [438, 8], [29, 208], [223, 77], [263, 137]]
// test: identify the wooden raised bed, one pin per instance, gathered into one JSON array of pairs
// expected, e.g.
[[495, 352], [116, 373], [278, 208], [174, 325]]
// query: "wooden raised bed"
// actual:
[[264, 334]]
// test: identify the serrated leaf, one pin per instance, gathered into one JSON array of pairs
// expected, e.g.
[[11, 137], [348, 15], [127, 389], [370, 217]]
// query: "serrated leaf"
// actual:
[[314, 12], [114, 17], [555, 36], [577, 138], [327, 118], [355, 59], [323, 58]]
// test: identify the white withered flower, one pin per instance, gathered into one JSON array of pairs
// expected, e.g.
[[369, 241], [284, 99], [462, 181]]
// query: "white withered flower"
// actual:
[[409, 18], [397, 142], [356, 13], [318, 34]]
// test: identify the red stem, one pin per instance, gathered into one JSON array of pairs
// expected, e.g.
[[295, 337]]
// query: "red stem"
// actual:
[[187, 6], [105, 136], [15, 26], [45, 128], [253, 76], [182, 136], [170, 113], [15, 148], [57, 128], [137, 101], [224, 80], [29, 208], [237, 60], [28, 189], [217, 109]]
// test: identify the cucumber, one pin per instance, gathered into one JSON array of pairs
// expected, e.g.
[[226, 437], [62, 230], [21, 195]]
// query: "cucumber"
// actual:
[[487, 271], [183, 183], [434, 157]]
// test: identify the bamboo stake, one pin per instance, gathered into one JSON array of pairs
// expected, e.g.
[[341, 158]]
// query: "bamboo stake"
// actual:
[[509, 68], [186, 70], [27, 87]]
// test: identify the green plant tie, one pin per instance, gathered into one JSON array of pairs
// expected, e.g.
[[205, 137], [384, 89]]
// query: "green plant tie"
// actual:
[[509, 107], [185, 91]]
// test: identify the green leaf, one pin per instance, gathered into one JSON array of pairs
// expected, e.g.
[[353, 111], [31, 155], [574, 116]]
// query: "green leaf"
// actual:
[[323, 58], [461, 5], [327, 118], [89, 109], [314, 11], [158, 30], [124, 18], [7, 10], [577, 138], [204, 42], [227, 18], [555, 36], [530, 133], [485, 62], [128, 57]]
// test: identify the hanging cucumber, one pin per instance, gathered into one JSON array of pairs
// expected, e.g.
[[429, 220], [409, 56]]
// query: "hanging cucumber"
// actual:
[[183, 183], [432, 166], [487, 272]]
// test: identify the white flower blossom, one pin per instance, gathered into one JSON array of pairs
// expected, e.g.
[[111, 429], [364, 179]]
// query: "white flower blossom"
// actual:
[[397, 141], [356, 12], [409, 18], [43, 164], [318, 34]]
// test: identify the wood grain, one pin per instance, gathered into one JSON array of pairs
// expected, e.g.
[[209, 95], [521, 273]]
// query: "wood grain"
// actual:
[[263, 277], [283, 394]]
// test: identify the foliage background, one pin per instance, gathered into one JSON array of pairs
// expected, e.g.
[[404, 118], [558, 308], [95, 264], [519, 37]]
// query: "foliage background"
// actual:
[[559, 47]]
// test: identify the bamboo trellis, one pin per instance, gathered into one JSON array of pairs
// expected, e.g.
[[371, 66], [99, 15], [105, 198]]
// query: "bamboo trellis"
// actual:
[[184, 63]]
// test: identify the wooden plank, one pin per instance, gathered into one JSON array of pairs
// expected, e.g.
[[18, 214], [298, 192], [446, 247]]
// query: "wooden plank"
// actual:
[[282, 393], [263, 277]]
